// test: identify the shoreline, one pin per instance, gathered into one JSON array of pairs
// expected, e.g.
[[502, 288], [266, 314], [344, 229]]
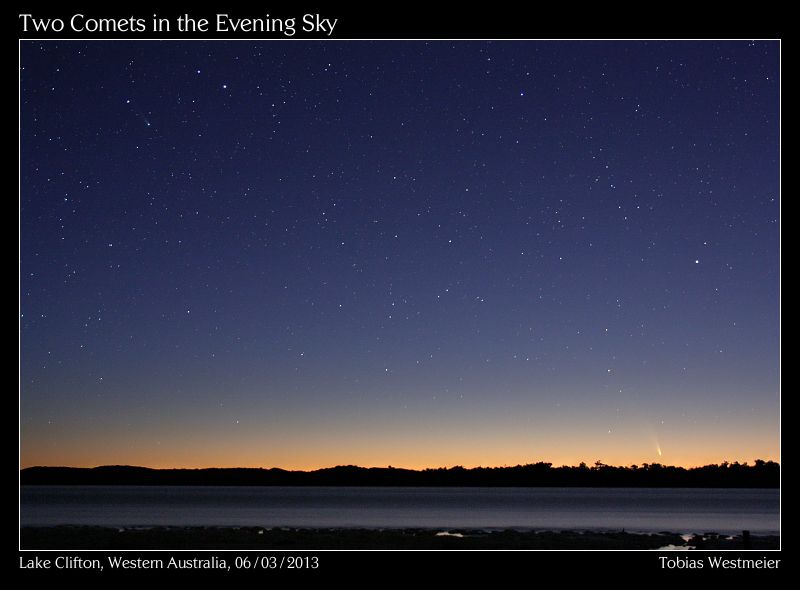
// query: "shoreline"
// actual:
[[763, 474], [219, 538]]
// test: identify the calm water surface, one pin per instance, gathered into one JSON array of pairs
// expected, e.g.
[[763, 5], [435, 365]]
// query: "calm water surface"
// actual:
[[633, 509]]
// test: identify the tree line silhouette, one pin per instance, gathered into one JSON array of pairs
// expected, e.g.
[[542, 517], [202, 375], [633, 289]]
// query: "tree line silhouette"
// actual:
[[762, 474]]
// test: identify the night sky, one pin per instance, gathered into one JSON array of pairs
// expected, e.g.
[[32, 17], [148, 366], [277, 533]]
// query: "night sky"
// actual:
[[303, 254]]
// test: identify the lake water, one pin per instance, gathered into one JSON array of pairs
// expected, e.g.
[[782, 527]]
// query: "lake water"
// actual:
[[679, 510]]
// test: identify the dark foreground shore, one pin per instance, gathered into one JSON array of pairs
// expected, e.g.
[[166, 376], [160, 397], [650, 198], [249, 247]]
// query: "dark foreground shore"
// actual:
[[90, 537]]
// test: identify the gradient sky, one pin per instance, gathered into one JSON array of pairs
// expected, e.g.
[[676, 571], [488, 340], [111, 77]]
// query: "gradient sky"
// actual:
[[302, 254]]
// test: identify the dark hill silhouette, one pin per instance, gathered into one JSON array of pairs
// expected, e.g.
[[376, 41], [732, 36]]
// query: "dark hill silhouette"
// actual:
[[763, 474]]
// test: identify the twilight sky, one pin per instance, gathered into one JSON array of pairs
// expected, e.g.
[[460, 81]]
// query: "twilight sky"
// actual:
[[302, 254]]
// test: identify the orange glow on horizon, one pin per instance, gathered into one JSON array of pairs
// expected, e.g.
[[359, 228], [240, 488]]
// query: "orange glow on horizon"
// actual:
[[428, 442], [152, 463]]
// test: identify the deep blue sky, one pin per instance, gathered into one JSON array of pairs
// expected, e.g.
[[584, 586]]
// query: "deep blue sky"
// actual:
[[310, 253]]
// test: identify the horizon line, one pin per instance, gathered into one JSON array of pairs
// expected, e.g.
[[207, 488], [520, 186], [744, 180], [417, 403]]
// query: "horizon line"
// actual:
[[551, 465]]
